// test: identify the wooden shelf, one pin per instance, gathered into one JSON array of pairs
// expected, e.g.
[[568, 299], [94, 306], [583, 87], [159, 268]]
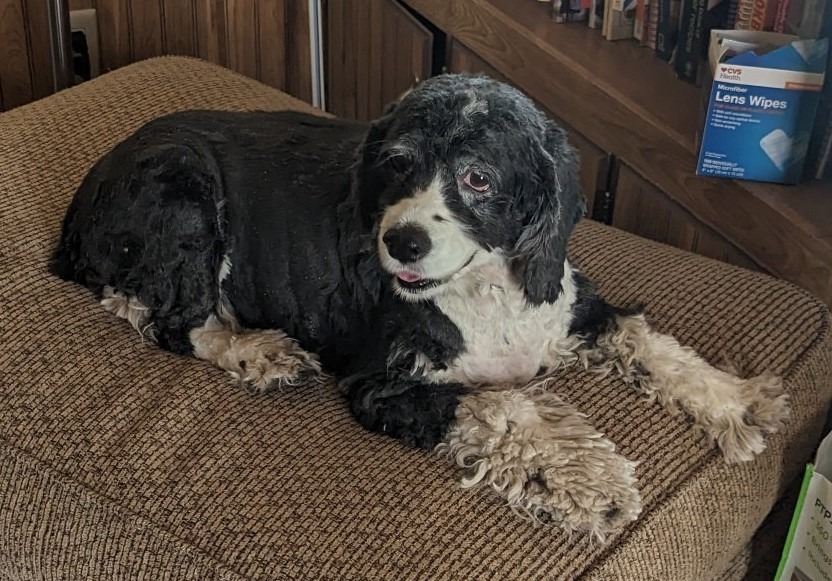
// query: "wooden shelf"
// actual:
[[628, 72], [629, 103], [808, 205]]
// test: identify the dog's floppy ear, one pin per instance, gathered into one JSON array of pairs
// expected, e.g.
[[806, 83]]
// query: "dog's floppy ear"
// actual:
[[550, 204], [368, 181]]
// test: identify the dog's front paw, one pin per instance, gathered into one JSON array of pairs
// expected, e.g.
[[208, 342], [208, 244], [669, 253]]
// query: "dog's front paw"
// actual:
[[546, 460], [739, 429], [268, 360]]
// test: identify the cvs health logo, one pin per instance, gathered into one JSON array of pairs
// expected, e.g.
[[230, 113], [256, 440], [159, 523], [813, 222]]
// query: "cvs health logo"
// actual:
[[730, 73]]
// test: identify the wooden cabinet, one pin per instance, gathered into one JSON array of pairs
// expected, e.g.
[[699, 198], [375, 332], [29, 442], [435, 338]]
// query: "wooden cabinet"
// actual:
[[375, 50], [462, 59], [643, 209]]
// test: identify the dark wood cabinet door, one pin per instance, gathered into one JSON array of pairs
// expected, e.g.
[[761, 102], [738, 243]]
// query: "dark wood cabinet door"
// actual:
[[375, 50], [595, 162], [462, 59], [642, 208]]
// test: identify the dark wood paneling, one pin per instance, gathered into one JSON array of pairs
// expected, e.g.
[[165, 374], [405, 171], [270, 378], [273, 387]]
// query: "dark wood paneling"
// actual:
[[462, 59], [367, 70], [114, 33], [264, 39], [146, 28], [298, 54], [25, 57], [595, 163], [15, 68], [271, 16], [643, 209], [40, 56], [242, 36], [594, 172], [211, 32], [179, 31]]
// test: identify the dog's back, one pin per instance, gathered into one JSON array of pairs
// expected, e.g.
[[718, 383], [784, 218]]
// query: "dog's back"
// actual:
[[198, 205]]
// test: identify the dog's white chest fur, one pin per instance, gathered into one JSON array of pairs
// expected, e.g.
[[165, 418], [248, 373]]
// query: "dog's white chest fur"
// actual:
[[506, 339]]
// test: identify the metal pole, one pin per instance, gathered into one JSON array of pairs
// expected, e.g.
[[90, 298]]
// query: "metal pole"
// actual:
[[60, 43]]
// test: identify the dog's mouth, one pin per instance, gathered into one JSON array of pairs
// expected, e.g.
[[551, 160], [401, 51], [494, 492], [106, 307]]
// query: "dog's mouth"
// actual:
[[413, 282]]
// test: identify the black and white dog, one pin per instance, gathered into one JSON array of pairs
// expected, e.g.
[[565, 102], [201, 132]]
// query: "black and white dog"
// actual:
[[428, 272]]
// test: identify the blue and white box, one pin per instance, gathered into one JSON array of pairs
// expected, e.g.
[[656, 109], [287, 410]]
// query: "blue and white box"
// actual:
[[764, 94]]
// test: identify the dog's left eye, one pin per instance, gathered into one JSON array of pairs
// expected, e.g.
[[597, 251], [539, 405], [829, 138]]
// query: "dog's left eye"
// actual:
[[477, 181], [400, 164]]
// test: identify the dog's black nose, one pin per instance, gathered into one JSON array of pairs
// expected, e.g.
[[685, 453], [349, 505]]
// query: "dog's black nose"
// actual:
[[407, 243]]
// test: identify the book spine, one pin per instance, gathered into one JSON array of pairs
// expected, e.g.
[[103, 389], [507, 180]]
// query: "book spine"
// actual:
[[652, 23], [619, 23], [605, 27], [640, 23], [780, 16], [731, 19], [762, 14], [558, 10], [688, 53], [744, 11], [667, 30], [596, 14]]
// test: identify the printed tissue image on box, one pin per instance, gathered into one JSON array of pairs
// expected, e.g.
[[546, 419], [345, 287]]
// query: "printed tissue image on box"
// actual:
[[764, 92]]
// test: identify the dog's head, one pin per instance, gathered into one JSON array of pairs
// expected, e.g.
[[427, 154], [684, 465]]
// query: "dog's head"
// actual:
[[463, 165]]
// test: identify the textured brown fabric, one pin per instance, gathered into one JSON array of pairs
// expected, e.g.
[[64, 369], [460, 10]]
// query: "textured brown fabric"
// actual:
[[118, 460]]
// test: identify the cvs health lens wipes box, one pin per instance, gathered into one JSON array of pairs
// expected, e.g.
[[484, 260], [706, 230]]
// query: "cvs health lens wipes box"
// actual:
[[764, 91]]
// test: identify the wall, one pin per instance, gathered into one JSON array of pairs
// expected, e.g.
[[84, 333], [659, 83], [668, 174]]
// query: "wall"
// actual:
[[264, 39], [25, 65]]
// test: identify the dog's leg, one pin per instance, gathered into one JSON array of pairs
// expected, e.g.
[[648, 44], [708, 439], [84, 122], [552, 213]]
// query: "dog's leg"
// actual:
[[733, 411], [130, 309], [545, 459], [262, 360], [529, 447], [396, 404]]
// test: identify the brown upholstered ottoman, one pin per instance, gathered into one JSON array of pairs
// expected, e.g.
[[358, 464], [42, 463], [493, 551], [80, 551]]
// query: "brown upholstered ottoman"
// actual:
[[120, 461]]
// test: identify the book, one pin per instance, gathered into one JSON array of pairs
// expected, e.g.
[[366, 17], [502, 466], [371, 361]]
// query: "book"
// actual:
[[596, 14], [780, 15], [762, 14], [640, 21], [731, 19], [652, 24], [570, 10], [667, 31], [691, 40], [618, 24], [743, 19]]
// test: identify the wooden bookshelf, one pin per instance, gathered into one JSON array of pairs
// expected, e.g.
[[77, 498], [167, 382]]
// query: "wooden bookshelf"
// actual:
[[625, 100]]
